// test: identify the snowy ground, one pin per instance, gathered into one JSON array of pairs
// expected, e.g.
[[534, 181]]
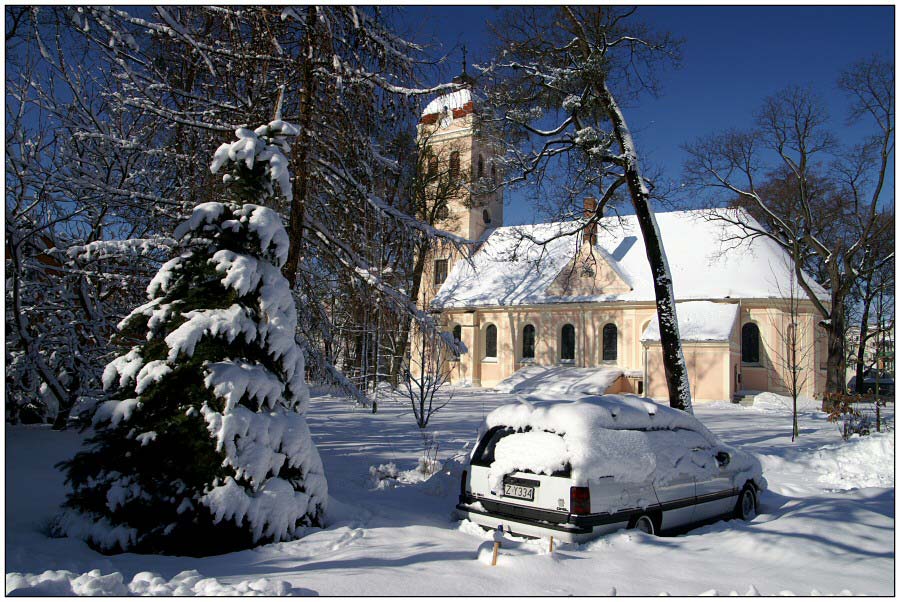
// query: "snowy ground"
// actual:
[[826, 524]]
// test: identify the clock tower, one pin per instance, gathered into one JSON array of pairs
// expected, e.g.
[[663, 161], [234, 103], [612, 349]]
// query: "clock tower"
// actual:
[[462, 179]]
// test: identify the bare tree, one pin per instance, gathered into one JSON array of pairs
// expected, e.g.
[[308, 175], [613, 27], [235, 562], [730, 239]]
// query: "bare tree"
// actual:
[[825, 215], [428, 371], [794, 345], [573, 67], [100, 82]]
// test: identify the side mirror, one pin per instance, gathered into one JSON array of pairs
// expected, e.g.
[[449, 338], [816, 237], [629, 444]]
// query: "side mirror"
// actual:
[[723, 458]]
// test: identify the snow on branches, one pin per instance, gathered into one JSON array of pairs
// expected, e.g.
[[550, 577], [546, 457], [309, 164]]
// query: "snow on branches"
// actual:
[[217, 377], [259, 152]]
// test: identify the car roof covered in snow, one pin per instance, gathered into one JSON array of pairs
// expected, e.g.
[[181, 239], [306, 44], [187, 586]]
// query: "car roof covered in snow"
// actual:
[[624, 437], [593, 412], [706, 257]]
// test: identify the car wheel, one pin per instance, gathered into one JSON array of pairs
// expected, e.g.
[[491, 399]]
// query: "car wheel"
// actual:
[[643, 522], [870, 390], [746, 505]]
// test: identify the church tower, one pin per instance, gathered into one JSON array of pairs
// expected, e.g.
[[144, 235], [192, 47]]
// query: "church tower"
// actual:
[[462, 178]]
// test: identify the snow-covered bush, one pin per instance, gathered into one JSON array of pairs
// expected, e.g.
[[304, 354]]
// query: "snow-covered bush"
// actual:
[[204, 447], [384, 476]]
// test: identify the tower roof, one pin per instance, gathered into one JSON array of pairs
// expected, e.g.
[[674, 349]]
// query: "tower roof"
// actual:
[[460, 102]]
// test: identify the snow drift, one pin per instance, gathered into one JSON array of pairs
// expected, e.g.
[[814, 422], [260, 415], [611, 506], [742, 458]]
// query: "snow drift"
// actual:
[[543, 381]]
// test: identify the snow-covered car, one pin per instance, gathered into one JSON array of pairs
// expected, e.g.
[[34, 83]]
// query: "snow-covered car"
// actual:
[[580, 469]]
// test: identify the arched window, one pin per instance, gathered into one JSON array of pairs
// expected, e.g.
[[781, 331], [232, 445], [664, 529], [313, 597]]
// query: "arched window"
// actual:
[[454, 165], [480, 166], [494, 173], [486, 216], [528, 342], [750, 343], [432, 166], [457, 336], [490, 342], [610, 343], [567, 343], [443, 212]]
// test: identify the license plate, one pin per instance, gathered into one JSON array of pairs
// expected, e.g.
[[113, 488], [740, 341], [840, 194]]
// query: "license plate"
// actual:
[[518, 491]]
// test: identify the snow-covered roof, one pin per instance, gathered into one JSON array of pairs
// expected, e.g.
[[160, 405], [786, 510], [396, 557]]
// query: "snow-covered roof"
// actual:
[[453, 100], [705, 257], [699, 321]]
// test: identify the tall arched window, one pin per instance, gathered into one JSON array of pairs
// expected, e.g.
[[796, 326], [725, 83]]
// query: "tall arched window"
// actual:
[[750, 343], [567, 343], [494, 173], [454, 165], [528, 342], [480, 166], [432, 166], [610, 343], [490, 342], [457, 336]]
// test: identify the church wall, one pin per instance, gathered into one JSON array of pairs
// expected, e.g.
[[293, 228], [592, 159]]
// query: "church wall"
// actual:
[[715, 368], [772, 317]]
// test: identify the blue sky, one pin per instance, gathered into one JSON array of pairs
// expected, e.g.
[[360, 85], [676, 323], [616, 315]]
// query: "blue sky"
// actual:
[[733, 57]]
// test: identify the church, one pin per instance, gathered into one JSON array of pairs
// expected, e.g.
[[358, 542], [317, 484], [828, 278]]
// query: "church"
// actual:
[[527, 297]]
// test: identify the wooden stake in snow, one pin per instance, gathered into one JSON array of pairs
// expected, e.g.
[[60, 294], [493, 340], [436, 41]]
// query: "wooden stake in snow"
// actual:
[[498, 537], [551, 544]]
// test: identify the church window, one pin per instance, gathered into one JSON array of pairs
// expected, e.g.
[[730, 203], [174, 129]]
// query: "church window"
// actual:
[[457, 337], [443, 212], [432, 166], [480, 166], [440, 271], [486, 216], [454, 165], [610, 343], [750, 343], [494, 173], [490, 342], [567, 343], [528, 342]]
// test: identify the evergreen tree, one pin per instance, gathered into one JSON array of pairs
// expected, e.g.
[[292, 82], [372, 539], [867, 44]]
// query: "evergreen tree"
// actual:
[[204, 448]]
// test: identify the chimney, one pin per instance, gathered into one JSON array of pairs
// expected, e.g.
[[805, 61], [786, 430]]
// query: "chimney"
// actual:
[[590, 208]]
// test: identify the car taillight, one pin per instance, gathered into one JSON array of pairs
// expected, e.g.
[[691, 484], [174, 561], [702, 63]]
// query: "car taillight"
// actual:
[[580, 500], [462, 483]]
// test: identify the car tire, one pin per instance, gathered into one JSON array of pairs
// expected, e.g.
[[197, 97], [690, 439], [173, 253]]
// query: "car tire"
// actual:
[[870, 390], [644, 523], [746, 507]]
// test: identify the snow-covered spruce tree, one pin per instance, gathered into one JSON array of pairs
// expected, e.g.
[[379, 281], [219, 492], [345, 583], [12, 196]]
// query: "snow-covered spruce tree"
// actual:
[[204, 448]]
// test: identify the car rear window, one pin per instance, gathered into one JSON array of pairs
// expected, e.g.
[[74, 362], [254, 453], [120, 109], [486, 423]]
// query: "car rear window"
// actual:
[[485, 453]]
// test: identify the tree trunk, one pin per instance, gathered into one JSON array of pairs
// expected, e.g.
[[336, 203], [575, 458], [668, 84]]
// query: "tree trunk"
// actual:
[[863, 336], [670, 340], [837, 362], [405, 325], [301, 163]]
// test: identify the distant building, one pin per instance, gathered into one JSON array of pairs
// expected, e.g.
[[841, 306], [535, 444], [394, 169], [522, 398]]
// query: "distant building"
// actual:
[[879, 352], [587, 300]]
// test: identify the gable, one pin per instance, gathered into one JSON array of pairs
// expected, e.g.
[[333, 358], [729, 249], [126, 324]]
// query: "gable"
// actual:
[[591, 272]]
